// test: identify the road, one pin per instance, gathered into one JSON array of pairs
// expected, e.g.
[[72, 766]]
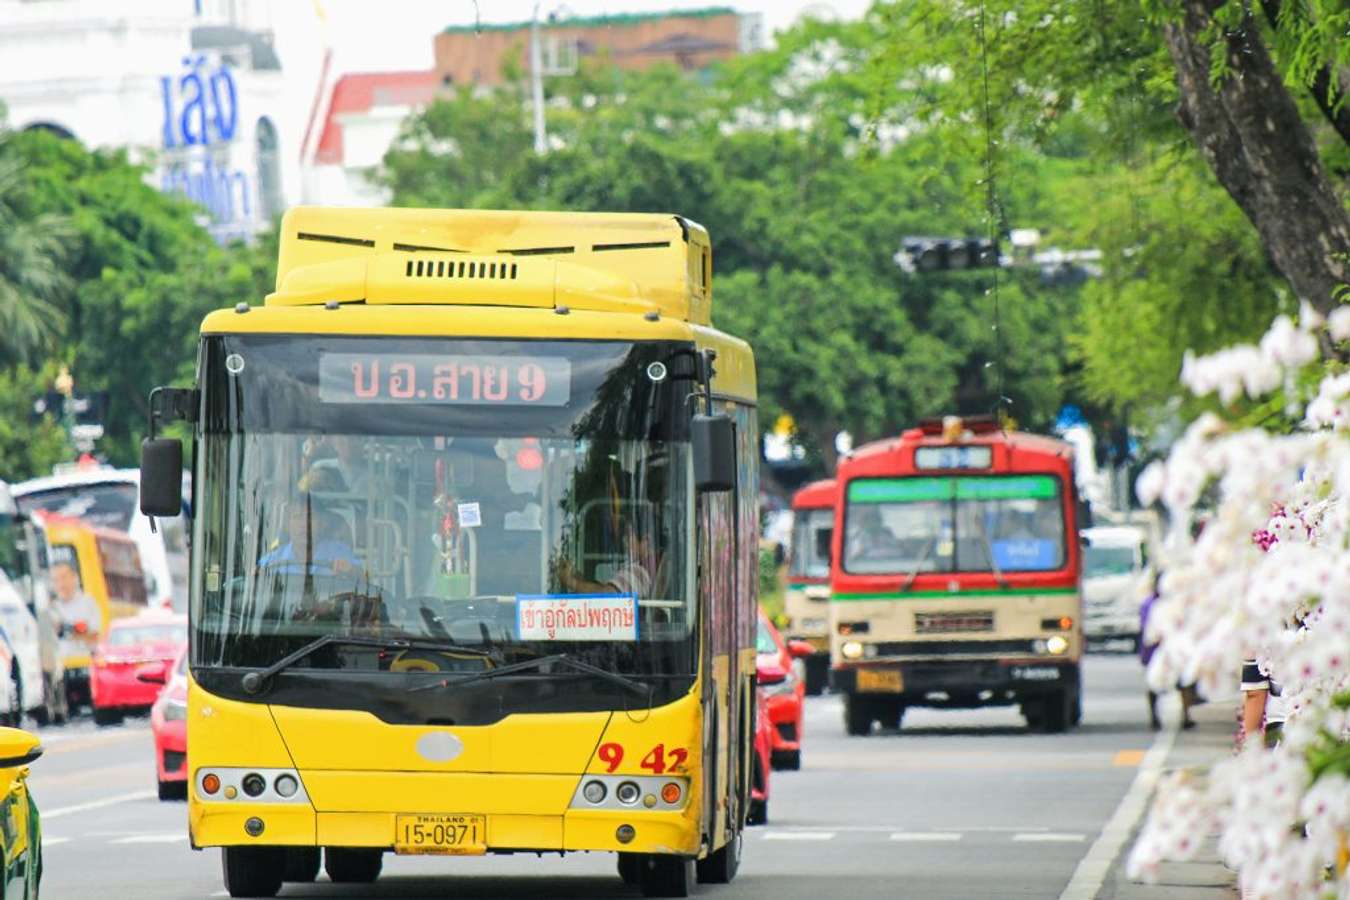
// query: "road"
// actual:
[[956, 805]]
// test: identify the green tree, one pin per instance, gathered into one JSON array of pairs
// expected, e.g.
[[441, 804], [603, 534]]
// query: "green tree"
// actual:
[[33, 283], [29, 446]]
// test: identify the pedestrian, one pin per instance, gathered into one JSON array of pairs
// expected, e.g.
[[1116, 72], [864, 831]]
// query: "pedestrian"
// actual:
[[1146, 650]]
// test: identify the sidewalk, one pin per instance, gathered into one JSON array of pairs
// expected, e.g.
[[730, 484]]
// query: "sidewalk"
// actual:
[[1205, 877]]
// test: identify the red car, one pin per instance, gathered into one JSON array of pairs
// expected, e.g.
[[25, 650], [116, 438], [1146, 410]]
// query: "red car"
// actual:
[[130, 648], [168, 721], [758, 813], [783, 689]]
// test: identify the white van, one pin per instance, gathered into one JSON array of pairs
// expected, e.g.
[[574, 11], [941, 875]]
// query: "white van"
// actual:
[[111, 498], [36, 673], [1115, 581]]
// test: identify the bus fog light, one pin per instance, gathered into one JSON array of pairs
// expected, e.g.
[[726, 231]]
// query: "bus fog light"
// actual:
[[649, 801], [1056, 644], [670, 793], [254, 826], [231, 792], [253, 784], [286, 785], [870, 651], [1039, 646], [625, 833], [627, 792], [851, 650], [594, 792], [211, 783]]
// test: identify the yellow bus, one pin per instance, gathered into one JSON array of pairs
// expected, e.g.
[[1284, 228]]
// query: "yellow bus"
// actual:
[[95, 577], [473, 560]]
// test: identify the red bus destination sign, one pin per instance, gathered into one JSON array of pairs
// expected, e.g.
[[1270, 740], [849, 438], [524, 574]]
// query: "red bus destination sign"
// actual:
[[449, 379]]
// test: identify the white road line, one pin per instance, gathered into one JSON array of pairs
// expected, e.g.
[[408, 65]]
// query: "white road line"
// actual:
[[96, 804], [798, 835], [53, 841], [151, 839], [1050, 837], [1092, 869], [924, 837]]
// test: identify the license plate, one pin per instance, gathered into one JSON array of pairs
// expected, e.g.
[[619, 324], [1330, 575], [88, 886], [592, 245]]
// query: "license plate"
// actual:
[[880, 681], [448, 835]]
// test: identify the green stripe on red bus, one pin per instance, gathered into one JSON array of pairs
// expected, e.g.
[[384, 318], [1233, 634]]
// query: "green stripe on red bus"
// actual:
[[925, 595], [917, 489]]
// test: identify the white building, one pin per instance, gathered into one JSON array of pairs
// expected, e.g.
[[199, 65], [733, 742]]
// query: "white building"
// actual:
[[193, 88]]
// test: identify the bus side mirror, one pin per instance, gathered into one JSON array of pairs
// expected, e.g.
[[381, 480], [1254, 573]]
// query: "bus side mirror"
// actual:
[[714, 444], [1084, 513], [161, 477]]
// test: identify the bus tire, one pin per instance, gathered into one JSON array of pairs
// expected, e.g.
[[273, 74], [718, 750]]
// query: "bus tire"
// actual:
[[817, 674], [857, 715], [302, 864], [667, 876], [1056, 712], [252, 871], [630, 867], [353, 865], [892, 714], [758, 813], [721, 866]]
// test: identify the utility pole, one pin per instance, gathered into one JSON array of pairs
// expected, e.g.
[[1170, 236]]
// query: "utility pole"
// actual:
[[537, 84]]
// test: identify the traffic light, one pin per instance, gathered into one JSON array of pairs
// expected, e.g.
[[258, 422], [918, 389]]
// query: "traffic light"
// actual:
[[936, 254]]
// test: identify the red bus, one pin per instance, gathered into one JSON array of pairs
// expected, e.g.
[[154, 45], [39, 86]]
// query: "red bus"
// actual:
[[955, 576], [806, 603]]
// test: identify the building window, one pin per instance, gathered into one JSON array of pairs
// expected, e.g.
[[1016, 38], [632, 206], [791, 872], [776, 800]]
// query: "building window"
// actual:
[[271, 201]]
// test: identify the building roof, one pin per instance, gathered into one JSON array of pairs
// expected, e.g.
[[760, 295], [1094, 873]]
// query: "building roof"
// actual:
[[603, 21], [363, 91], [262, 55]]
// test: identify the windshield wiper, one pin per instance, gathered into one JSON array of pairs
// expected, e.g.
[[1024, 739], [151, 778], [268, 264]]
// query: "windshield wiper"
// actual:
[[923, 558], [253, 682], [628, 684]]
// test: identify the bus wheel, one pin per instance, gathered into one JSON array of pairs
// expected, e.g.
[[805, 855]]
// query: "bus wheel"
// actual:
[[720, 866], [817, 674], [667, 876], [630, 867], [1054, 714], [857, 715], [302, 864], [891, 715], [253, 871], [353, 865]]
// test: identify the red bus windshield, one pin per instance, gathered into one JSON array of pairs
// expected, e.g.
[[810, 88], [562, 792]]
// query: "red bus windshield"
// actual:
[[993, 523]]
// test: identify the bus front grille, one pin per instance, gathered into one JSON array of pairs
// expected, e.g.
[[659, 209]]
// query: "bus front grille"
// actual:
[[1019, 646]]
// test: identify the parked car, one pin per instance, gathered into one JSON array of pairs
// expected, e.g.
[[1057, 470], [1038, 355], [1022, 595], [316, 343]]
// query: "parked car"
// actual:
[[130, 644], [168, 722], [783, 687]]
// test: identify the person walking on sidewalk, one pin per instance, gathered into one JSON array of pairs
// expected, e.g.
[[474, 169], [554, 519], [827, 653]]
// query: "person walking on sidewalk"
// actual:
[[1146, 650]]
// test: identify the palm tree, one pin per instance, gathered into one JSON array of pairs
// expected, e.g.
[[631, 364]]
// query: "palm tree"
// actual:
[[33, 279]]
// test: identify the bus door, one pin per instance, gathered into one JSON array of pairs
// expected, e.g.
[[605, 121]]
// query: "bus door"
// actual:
[[716, 580]]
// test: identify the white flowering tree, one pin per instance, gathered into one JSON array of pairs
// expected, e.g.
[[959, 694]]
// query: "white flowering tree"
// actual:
[[1268, 576]]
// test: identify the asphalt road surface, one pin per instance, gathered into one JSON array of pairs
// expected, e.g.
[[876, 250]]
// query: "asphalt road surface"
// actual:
[[955, 805]]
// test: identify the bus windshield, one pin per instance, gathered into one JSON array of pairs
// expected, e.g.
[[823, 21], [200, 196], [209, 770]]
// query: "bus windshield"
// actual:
[[811, 530], [333, 502], [108, 504], [1099, 561], [1010, 523]]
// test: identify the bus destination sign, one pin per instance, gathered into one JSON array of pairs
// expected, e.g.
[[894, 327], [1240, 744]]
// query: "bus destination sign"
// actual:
[[447, 379], [961, 456]]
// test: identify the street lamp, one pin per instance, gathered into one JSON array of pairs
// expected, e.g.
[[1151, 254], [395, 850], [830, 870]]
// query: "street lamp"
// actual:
[[65, 386]]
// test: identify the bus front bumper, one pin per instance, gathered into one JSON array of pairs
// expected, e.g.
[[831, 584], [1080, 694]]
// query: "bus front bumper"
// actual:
[[961, 681], [516, 808]]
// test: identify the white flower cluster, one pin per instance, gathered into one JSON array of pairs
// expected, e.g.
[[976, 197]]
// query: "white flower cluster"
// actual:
[[1265, 575]]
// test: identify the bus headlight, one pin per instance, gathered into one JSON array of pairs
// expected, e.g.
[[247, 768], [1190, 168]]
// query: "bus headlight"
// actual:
[[1056, 644], [851, 650]]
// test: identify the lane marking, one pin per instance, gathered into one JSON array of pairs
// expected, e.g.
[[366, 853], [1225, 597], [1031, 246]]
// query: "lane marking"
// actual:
[[99, 774], [151, 839], [1050, 837], [1093, 868], [96, 804], [923, 837], [53, 841], [85, 742], [799, 835], [1128, 758]]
